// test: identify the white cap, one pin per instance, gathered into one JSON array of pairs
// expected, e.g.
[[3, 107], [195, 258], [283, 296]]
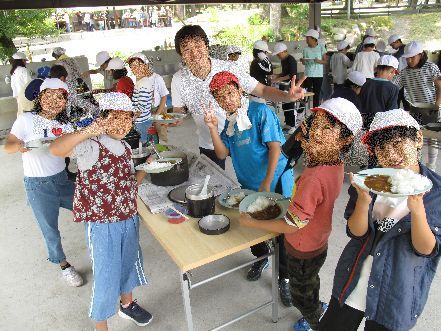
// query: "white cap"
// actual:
[[116, 101], [261, 45], [342, 45], [233, 49], [369, 40], [411, 49], [388, 60], [357, 77], [19, 56], [391, 118], [370, 32], [140, 56], [279, 48], [312, 33], [59, 51], [344, 111], [102, 57], [381, 46], [53, 83], [393, 38], [116, 64]]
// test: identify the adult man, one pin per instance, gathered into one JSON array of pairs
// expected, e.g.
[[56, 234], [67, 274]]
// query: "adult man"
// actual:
[[289, 70], [190, 85]]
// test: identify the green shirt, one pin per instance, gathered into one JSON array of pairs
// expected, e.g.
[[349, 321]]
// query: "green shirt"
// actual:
[[313, 69]]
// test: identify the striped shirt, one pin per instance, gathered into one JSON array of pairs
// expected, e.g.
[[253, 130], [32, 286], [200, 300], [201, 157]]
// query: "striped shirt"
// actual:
[[143, 98], [419, 83]]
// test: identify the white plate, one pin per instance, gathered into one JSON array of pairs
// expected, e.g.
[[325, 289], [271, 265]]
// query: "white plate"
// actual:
[[359, 180], [176, 117], [39, 144], [248, 200], [224, 196]]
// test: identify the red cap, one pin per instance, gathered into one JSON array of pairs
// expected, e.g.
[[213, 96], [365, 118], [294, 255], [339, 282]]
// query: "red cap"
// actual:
[[221, 79]]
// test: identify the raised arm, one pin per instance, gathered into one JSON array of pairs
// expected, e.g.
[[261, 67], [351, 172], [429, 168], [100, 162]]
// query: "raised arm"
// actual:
[[358, 222]]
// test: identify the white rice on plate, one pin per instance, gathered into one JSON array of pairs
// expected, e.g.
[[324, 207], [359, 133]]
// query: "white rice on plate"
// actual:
[[405, 181], [235, 199], [259, 204]]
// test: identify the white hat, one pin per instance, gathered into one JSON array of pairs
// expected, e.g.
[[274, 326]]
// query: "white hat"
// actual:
[[116, 64], [388, 60], [140, 56], [370, 32], [390, 118], [53, 83], [116, 101], [233, 49], [279, 48], [19, 56], [393, 38], [261, 45], [381, 46], [411, 49], [369, 40], [357, 77], [59, 51], [312, 33], [344, 111], [342, 45], [102, 57]]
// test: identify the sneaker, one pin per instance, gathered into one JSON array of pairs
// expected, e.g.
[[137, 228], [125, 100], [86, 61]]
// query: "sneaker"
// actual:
[[72, 277], [285, 294], [303, 325], [256, 269], [135, 313]]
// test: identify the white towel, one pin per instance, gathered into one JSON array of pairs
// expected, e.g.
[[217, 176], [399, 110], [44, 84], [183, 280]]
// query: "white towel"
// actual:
[[240, 117]]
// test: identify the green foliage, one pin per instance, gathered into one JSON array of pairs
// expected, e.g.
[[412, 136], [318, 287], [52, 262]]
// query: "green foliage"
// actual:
[[24, 23], [257, 19], [213, 13], [297, 11], [243, 35]]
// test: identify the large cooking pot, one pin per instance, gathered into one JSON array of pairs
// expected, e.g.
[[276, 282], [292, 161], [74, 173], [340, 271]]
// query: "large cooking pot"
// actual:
[[199, 205], [292, 148], [424, 113], [176, 175], [132, 138]]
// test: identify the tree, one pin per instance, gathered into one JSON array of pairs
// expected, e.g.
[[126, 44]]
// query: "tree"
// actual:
[[23, 23], [275, 18]]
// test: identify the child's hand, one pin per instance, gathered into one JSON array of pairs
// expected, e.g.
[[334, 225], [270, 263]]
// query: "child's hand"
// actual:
[[22, 148], [363, 195], [150, 159], [210, 118], [415, 203], [246, 220], [265, 186], [296, 91]]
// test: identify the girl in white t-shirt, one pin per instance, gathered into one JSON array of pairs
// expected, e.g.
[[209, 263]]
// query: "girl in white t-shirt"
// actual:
[[46, 183], [20, 75]]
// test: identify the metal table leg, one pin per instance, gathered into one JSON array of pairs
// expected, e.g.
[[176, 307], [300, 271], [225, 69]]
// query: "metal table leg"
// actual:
[[275, 281], [186, 285]]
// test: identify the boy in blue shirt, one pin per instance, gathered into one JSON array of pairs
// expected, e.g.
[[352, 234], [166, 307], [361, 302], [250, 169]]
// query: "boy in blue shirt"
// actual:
[[252, 137]]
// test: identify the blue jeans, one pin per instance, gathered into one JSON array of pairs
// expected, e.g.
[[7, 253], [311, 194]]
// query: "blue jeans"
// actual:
[[46, 195], [117, 264], [142, 130]]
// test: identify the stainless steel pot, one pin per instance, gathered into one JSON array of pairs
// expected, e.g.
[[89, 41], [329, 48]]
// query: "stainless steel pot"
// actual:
[[199, 205], [176, 175]]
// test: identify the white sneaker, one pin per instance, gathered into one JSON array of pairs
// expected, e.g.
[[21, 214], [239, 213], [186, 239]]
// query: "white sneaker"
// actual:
[[72, 277]]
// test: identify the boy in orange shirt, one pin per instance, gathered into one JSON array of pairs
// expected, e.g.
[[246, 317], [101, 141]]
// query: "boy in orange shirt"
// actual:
[[308, 221]]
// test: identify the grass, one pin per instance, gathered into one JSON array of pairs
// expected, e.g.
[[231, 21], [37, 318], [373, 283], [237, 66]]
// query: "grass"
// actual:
[[424, 27]]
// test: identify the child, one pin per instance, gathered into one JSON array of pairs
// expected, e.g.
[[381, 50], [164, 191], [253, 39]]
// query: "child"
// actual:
[[366, 60], [340, 63], [105, 199], [308, 221], [386, 269], [123, 83], [143, 94], [379, 94], [314, 57], [351, 88], [252, 137], [47, 186]]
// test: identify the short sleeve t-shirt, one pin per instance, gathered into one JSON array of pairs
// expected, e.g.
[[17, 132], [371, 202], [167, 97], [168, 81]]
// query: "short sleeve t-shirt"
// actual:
[[160, 89], [143, 98], [125, 85], [313, 203], [249, 151], [192, 92], [39, 163], [289, 66], [313, 69], [366, 62], [339, 65]]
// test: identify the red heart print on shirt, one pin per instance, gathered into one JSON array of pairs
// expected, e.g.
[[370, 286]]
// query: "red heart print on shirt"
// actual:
[[57, 131]]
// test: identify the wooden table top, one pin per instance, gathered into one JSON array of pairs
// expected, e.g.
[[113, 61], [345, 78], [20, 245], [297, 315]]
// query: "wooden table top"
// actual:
[[189, 248]]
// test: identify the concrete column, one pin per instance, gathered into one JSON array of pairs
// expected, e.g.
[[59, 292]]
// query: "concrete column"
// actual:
[[315, 15]]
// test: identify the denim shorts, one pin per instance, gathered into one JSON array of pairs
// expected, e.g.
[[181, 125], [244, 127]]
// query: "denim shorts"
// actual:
[[46, 195], [142, 130], [117, 264]]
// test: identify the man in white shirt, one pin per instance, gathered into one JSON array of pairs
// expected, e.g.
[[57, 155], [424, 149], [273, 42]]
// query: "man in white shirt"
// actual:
[[190, 85]]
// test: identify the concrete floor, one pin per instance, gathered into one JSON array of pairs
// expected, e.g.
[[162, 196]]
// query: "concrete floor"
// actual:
[[34, 297]]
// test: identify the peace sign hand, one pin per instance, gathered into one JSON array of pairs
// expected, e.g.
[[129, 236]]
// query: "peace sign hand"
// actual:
[[296, 91], [210, 118]]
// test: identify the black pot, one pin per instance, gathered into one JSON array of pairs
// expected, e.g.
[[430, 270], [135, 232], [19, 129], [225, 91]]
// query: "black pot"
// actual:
[[292, 148], [132, 138], [198, 205], [176, 175]]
